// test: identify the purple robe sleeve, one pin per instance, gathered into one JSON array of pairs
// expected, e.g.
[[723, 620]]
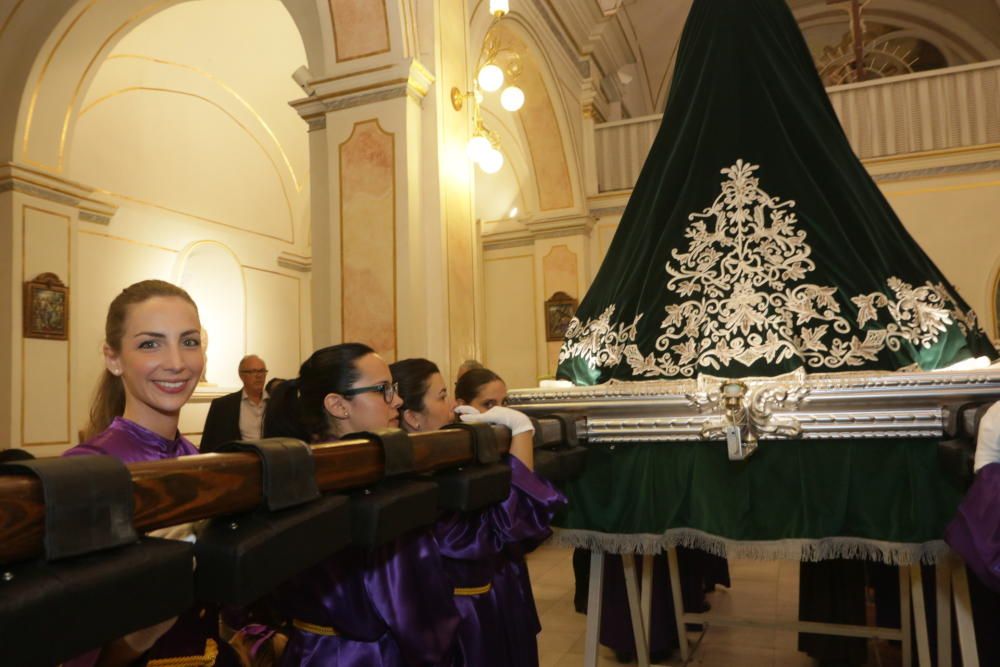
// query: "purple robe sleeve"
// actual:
[[528, 510], [974, 533], [523, 517], [407, 586]]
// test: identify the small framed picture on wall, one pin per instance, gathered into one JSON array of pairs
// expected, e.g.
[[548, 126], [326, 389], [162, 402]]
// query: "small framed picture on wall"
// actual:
[[559, 310], [46, 308]]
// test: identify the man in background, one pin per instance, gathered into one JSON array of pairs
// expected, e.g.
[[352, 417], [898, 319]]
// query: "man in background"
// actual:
[[239, 415]]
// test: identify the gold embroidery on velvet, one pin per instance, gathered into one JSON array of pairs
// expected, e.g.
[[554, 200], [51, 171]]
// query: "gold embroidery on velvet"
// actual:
[[745, 269]]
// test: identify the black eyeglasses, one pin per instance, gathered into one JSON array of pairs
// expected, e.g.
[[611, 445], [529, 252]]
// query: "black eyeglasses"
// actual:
[[262, 371], [388, 389]]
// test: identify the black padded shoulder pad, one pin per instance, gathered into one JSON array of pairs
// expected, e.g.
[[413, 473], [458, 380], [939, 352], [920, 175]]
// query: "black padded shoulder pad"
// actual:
[[396, 447], [484, 442], [289, 471], [88, 503], [51, 612], [548, 433], [567, 424]]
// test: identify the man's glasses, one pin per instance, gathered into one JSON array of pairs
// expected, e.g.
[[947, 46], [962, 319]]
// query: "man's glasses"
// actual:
[[388, 389], [262, 371]]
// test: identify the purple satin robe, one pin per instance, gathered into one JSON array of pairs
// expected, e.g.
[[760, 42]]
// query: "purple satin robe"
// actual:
[[975, 531], [131, 443], [389, 607], [499, 627]]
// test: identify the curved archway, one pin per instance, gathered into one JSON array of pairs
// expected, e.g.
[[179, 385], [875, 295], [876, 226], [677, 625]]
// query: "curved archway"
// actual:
[[211, 273], [62, 42], [542, 158], [959, 41]]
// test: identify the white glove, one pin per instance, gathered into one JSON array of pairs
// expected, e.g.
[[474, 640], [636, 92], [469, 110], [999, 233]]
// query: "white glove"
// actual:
[[517, 422]]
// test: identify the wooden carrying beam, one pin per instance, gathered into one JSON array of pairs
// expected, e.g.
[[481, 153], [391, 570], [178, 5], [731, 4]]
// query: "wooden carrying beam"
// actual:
[[190, 488]]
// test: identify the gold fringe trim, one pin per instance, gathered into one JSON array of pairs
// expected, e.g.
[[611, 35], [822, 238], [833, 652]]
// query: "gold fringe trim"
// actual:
[[324, 630], [479, 590], [205, 660]]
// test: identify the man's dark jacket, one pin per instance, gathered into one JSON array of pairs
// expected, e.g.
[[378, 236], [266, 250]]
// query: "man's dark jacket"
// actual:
[[223, 422]]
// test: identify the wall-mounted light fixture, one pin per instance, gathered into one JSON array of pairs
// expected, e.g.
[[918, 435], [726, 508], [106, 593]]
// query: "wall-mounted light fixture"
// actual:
[[495, 67]]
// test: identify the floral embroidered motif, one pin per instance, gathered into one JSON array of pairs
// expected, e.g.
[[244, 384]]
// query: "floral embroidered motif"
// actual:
[[745, 271], [600, 343]]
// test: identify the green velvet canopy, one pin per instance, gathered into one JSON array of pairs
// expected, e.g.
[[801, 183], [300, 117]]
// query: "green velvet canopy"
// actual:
[[754, 241]]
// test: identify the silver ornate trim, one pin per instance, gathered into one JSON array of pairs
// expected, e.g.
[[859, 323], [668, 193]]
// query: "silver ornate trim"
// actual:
[[822, 406]]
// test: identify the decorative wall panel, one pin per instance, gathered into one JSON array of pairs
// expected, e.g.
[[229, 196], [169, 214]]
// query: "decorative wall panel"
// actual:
[[368, 237], [360, 28]]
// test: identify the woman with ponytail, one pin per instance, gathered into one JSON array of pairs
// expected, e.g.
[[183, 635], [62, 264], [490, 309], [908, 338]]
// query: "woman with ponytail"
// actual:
[[153, 359], [484, 551], [386, 607]]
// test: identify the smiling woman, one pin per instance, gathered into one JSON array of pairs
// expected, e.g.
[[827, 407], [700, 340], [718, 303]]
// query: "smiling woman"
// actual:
[[153, 359]]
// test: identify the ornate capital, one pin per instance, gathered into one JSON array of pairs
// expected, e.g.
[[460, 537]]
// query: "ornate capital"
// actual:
[[352, 89], [91, 206]]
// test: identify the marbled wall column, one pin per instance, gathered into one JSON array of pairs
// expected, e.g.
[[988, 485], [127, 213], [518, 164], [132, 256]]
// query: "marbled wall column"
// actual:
[[367, 192], [395, 245]]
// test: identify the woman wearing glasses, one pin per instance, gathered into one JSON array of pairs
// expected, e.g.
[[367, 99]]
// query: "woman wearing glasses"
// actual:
[[484, 552], [386, 607]]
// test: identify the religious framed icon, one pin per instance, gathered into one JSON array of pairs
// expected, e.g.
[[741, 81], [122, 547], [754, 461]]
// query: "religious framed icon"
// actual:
[[559, 310], [46, 308]]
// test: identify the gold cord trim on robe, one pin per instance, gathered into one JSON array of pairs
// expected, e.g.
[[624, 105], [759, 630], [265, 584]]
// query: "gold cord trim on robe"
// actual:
[[478, 590], [205, 660], [324, 630]]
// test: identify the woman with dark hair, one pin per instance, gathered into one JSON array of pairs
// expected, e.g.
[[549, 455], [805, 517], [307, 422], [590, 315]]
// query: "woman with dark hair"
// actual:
[[426, 404], [481, 388], [484, 553], [153, 359], [390, 606]]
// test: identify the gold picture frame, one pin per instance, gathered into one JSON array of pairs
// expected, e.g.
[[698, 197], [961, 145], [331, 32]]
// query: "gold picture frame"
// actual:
[[560, 308], [46, 308]]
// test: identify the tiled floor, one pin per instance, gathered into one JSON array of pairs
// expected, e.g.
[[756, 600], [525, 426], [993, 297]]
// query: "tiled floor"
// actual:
[[761, 589]]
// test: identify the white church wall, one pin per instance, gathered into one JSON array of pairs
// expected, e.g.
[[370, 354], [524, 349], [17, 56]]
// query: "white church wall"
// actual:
[[185, 127], [512, 320]]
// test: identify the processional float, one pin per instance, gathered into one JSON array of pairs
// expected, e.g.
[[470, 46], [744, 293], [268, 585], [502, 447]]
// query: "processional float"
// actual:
[[760, 358]]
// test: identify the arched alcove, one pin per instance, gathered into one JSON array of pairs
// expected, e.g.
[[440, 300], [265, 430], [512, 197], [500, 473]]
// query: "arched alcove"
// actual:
[[541, 172], [935, 24], [212, 275], [183, 119]]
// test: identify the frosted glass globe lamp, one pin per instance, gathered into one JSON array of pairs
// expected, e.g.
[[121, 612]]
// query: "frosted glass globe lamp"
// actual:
[[512, 98], [492, 161], [490, 78]]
